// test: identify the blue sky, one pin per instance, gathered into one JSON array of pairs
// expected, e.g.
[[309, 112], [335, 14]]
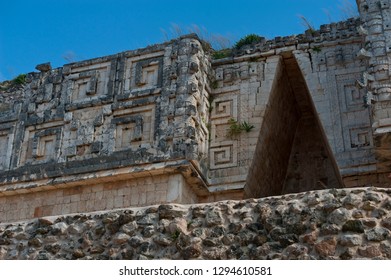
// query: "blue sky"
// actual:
[[33, 32]]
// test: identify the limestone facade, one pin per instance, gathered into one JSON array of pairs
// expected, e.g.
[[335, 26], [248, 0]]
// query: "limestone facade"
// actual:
[[168, 123]]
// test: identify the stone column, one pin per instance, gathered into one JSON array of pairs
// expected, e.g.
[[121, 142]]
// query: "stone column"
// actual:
[[376, 30], [191, 112]]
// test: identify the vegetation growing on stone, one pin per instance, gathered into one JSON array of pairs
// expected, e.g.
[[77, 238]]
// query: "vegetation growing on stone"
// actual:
[[222, 53], [245, 126], [13, 85], [247, 40], [317, 49], [20, 80], [236, 128]]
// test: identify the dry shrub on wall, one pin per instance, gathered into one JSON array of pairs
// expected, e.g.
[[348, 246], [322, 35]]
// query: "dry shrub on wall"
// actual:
[[348, 9], [217, 41]]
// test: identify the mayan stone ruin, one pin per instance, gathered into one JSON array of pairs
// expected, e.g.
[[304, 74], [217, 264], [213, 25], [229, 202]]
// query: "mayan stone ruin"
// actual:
[[169, 124]]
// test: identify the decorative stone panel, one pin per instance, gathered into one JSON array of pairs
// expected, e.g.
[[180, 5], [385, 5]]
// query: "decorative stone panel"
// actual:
[[144, 73], [354, 97], [133, 127], [351, 98], [43, 145], [6, 141], [223, 149], [360, 137], [224, 155], [224, 108], [88, 85], [353, 112]]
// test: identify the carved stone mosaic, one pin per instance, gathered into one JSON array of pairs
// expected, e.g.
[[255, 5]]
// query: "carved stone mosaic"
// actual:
[[43, 145], [88, 84], [353, 112], [224, 155], [223, 151], [133, 127], [6, 140], [144, 73]]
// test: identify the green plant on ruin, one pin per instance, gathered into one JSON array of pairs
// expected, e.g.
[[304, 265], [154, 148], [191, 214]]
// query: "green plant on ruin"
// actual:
[[235, 128], [214, 84], [248, 40], [317, 49], [245, 126], [222, 53], [175, 235], [306, 23], [209, 41], [20, 80]]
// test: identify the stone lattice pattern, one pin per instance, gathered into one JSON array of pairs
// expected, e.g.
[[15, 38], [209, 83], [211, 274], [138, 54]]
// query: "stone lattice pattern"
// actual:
[[331, 224]]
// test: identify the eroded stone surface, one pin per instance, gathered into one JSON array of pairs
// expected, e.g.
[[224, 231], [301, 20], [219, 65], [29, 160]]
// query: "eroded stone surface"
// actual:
[[208, 231]]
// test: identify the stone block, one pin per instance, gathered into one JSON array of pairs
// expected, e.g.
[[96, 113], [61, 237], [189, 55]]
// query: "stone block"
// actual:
[[44, 67]]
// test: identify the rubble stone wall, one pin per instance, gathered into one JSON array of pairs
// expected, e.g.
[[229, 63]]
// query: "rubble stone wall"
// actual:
[[329, 224]]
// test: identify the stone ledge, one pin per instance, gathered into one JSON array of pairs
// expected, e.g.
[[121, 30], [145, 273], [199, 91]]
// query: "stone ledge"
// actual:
[[146, 170]]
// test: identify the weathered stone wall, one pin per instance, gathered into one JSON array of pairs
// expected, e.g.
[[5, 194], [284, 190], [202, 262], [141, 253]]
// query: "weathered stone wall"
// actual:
[[330, 224], [233, 101], [134, 191], [105, 122], [376, 79], [169, 110], [331, 74], [114, 108]]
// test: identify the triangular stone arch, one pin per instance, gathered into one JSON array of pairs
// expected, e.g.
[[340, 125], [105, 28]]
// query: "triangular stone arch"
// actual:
[[292, 153]]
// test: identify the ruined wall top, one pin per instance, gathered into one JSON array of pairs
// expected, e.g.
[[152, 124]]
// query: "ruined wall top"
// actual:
[[327, 34]]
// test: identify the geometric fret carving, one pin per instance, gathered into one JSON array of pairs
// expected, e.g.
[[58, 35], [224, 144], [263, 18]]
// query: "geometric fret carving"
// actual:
[[354, 96], [350, 97], [224, 155], [133, 127], [144, 74], [41, 145], [353, 113], [46, 144], [224, 108], [89, 83], [129, 130], [223, 150], [360, 137], [147, 73]]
